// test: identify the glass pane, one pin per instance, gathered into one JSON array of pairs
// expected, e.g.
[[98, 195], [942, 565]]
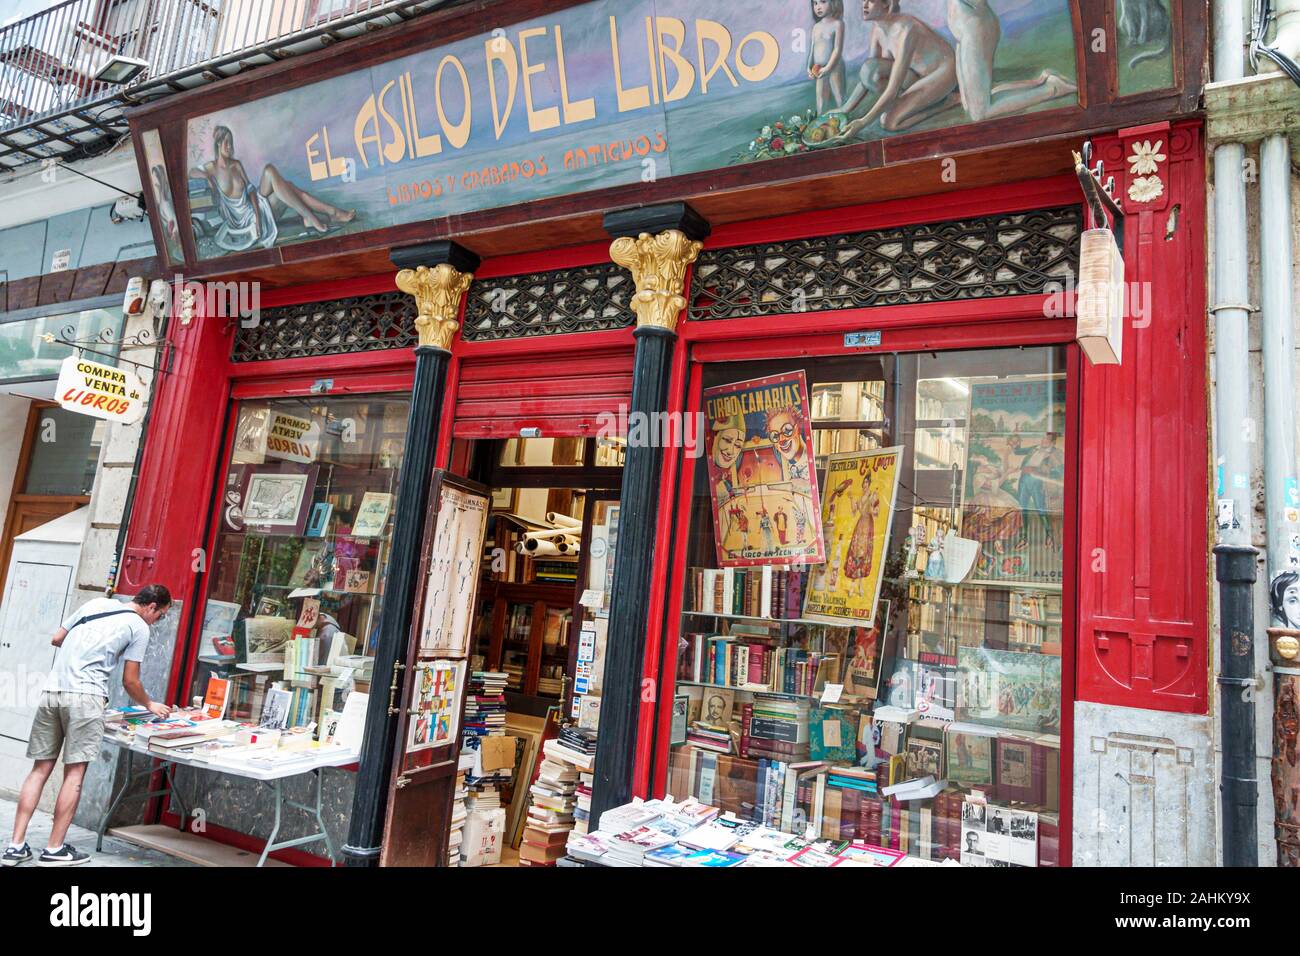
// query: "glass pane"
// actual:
[[542, 452], [25, 353], [65, 452], [295, 587], [920, 647]]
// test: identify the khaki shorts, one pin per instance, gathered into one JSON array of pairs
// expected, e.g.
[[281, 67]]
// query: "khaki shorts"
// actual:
[[73, 723]]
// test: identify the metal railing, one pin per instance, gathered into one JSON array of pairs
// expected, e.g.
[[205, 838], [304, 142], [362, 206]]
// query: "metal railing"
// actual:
[[51, 104]]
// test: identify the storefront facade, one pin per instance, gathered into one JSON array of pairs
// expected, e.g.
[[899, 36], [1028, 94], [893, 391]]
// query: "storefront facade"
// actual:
[[910, 297]]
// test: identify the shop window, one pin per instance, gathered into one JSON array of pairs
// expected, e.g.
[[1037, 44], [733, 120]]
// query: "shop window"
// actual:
[[29, 348], [870, 644], [295, 588], [65, 453]]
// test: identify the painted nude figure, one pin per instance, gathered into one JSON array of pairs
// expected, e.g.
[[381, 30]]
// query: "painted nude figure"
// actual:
[[248, 212], [977, 31], [915, 66], [826, 58]]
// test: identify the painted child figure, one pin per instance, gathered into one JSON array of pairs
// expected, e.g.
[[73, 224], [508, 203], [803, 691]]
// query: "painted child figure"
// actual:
[[826, 53]]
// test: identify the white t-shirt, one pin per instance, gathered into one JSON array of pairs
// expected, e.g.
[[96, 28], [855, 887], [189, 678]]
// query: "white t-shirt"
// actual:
[[90, 652]]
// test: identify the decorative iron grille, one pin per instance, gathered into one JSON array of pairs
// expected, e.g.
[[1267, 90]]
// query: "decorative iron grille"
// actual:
[[363, 324], [1011, 254], [582, 299]]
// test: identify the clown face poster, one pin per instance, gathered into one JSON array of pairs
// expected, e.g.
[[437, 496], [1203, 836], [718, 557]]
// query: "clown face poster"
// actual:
[[857, 510], [761, 477]]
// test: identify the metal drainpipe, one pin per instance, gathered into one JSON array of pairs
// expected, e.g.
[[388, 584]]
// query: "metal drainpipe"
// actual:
[[1234, 556]]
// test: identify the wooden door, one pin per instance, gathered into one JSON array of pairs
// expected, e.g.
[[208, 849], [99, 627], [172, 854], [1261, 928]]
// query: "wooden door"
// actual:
[[425, 759]]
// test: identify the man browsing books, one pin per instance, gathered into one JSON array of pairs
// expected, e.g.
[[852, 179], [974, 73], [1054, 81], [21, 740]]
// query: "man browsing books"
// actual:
[[70, 716]]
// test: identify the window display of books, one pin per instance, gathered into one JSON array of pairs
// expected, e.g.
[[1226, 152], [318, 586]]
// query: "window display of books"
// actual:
[[873, 697], [690, 833]]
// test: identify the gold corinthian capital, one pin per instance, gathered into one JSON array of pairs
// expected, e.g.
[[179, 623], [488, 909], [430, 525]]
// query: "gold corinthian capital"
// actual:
[[437, 293], [658, 266]]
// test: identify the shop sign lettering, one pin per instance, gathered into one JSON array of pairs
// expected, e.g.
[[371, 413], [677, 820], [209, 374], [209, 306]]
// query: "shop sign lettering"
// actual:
[[291, 438], [100, 391]]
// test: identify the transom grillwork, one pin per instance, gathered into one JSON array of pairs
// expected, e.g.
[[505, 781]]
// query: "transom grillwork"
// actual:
[[1010, 254], [362, 324], [582, 299]]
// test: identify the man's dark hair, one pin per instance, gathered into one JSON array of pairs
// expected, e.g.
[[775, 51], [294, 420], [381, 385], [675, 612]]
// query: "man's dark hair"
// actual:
[[153, 594]]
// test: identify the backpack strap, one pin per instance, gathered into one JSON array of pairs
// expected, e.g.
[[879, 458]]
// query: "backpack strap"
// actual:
[[95, 617]]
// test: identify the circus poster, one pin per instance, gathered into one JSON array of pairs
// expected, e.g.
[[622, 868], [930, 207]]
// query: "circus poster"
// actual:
[[762, 481], [857, 510]]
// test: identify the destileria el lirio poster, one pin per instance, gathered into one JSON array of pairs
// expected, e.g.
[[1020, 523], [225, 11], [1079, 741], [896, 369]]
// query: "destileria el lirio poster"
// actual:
[[857, 508], [1014, 500], [761, 475]]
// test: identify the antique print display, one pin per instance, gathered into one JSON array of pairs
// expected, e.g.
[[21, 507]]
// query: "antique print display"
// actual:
[[275, 499], [1009, 689], [998, 836], [862, 670], [250, 435], [857, 511], [434, 704], [452, 583], [761, 478], [606, 94], [1014, 498], [372, 514]]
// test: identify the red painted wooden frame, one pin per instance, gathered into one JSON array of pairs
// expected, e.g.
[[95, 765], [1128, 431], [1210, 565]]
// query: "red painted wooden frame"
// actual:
[[1127, 419]]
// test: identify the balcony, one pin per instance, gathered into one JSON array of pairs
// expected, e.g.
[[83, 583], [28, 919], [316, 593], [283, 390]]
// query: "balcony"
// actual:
[[55, 104]]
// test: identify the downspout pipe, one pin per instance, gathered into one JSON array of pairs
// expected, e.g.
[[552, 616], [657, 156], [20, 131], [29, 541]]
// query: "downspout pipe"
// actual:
[[1234, 555]]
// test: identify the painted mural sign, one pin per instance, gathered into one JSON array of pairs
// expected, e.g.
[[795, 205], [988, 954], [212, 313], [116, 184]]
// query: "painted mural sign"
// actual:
[[610, 93]]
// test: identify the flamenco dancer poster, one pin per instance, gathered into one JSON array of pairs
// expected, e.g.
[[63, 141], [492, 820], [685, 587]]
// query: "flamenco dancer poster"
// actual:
[[857, 510], [761, 476]]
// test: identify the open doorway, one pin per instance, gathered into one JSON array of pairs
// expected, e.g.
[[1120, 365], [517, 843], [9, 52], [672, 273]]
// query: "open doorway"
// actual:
[[537, 647]]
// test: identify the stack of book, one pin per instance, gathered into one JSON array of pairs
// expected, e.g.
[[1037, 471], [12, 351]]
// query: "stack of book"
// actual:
[[458, 810], [579, 739], [582, 809], [776, 728], [709, 737], [552, 801], [485, 716]]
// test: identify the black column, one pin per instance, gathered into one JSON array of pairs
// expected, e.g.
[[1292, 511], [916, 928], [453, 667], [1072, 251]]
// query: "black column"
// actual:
[[370, 798], [634, 554], [1238, 789]]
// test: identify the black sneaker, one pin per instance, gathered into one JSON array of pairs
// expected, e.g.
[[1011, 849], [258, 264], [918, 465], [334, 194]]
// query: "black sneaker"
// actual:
[[13, 857], [66, 855]]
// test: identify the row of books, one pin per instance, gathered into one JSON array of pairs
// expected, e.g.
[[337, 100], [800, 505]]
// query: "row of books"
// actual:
[[748, 592], [750, 663]]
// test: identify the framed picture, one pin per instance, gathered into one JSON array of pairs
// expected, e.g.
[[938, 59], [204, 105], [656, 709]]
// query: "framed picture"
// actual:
[[319, 522], [453, 550], [276, 498], [503, 499], [435, 704], [372, 514]]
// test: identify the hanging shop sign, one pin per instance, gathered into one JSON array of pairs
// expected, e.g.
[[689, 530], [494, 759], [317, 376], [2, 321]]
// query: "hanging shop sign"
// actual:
[[101, 391], [607, 94], [761, 475], [1100, 304], [291, 438]]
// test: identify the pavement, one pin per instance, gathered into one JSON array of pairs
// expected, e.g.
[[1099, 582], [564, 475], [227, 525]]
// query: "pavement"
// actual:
[[115, 853]]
